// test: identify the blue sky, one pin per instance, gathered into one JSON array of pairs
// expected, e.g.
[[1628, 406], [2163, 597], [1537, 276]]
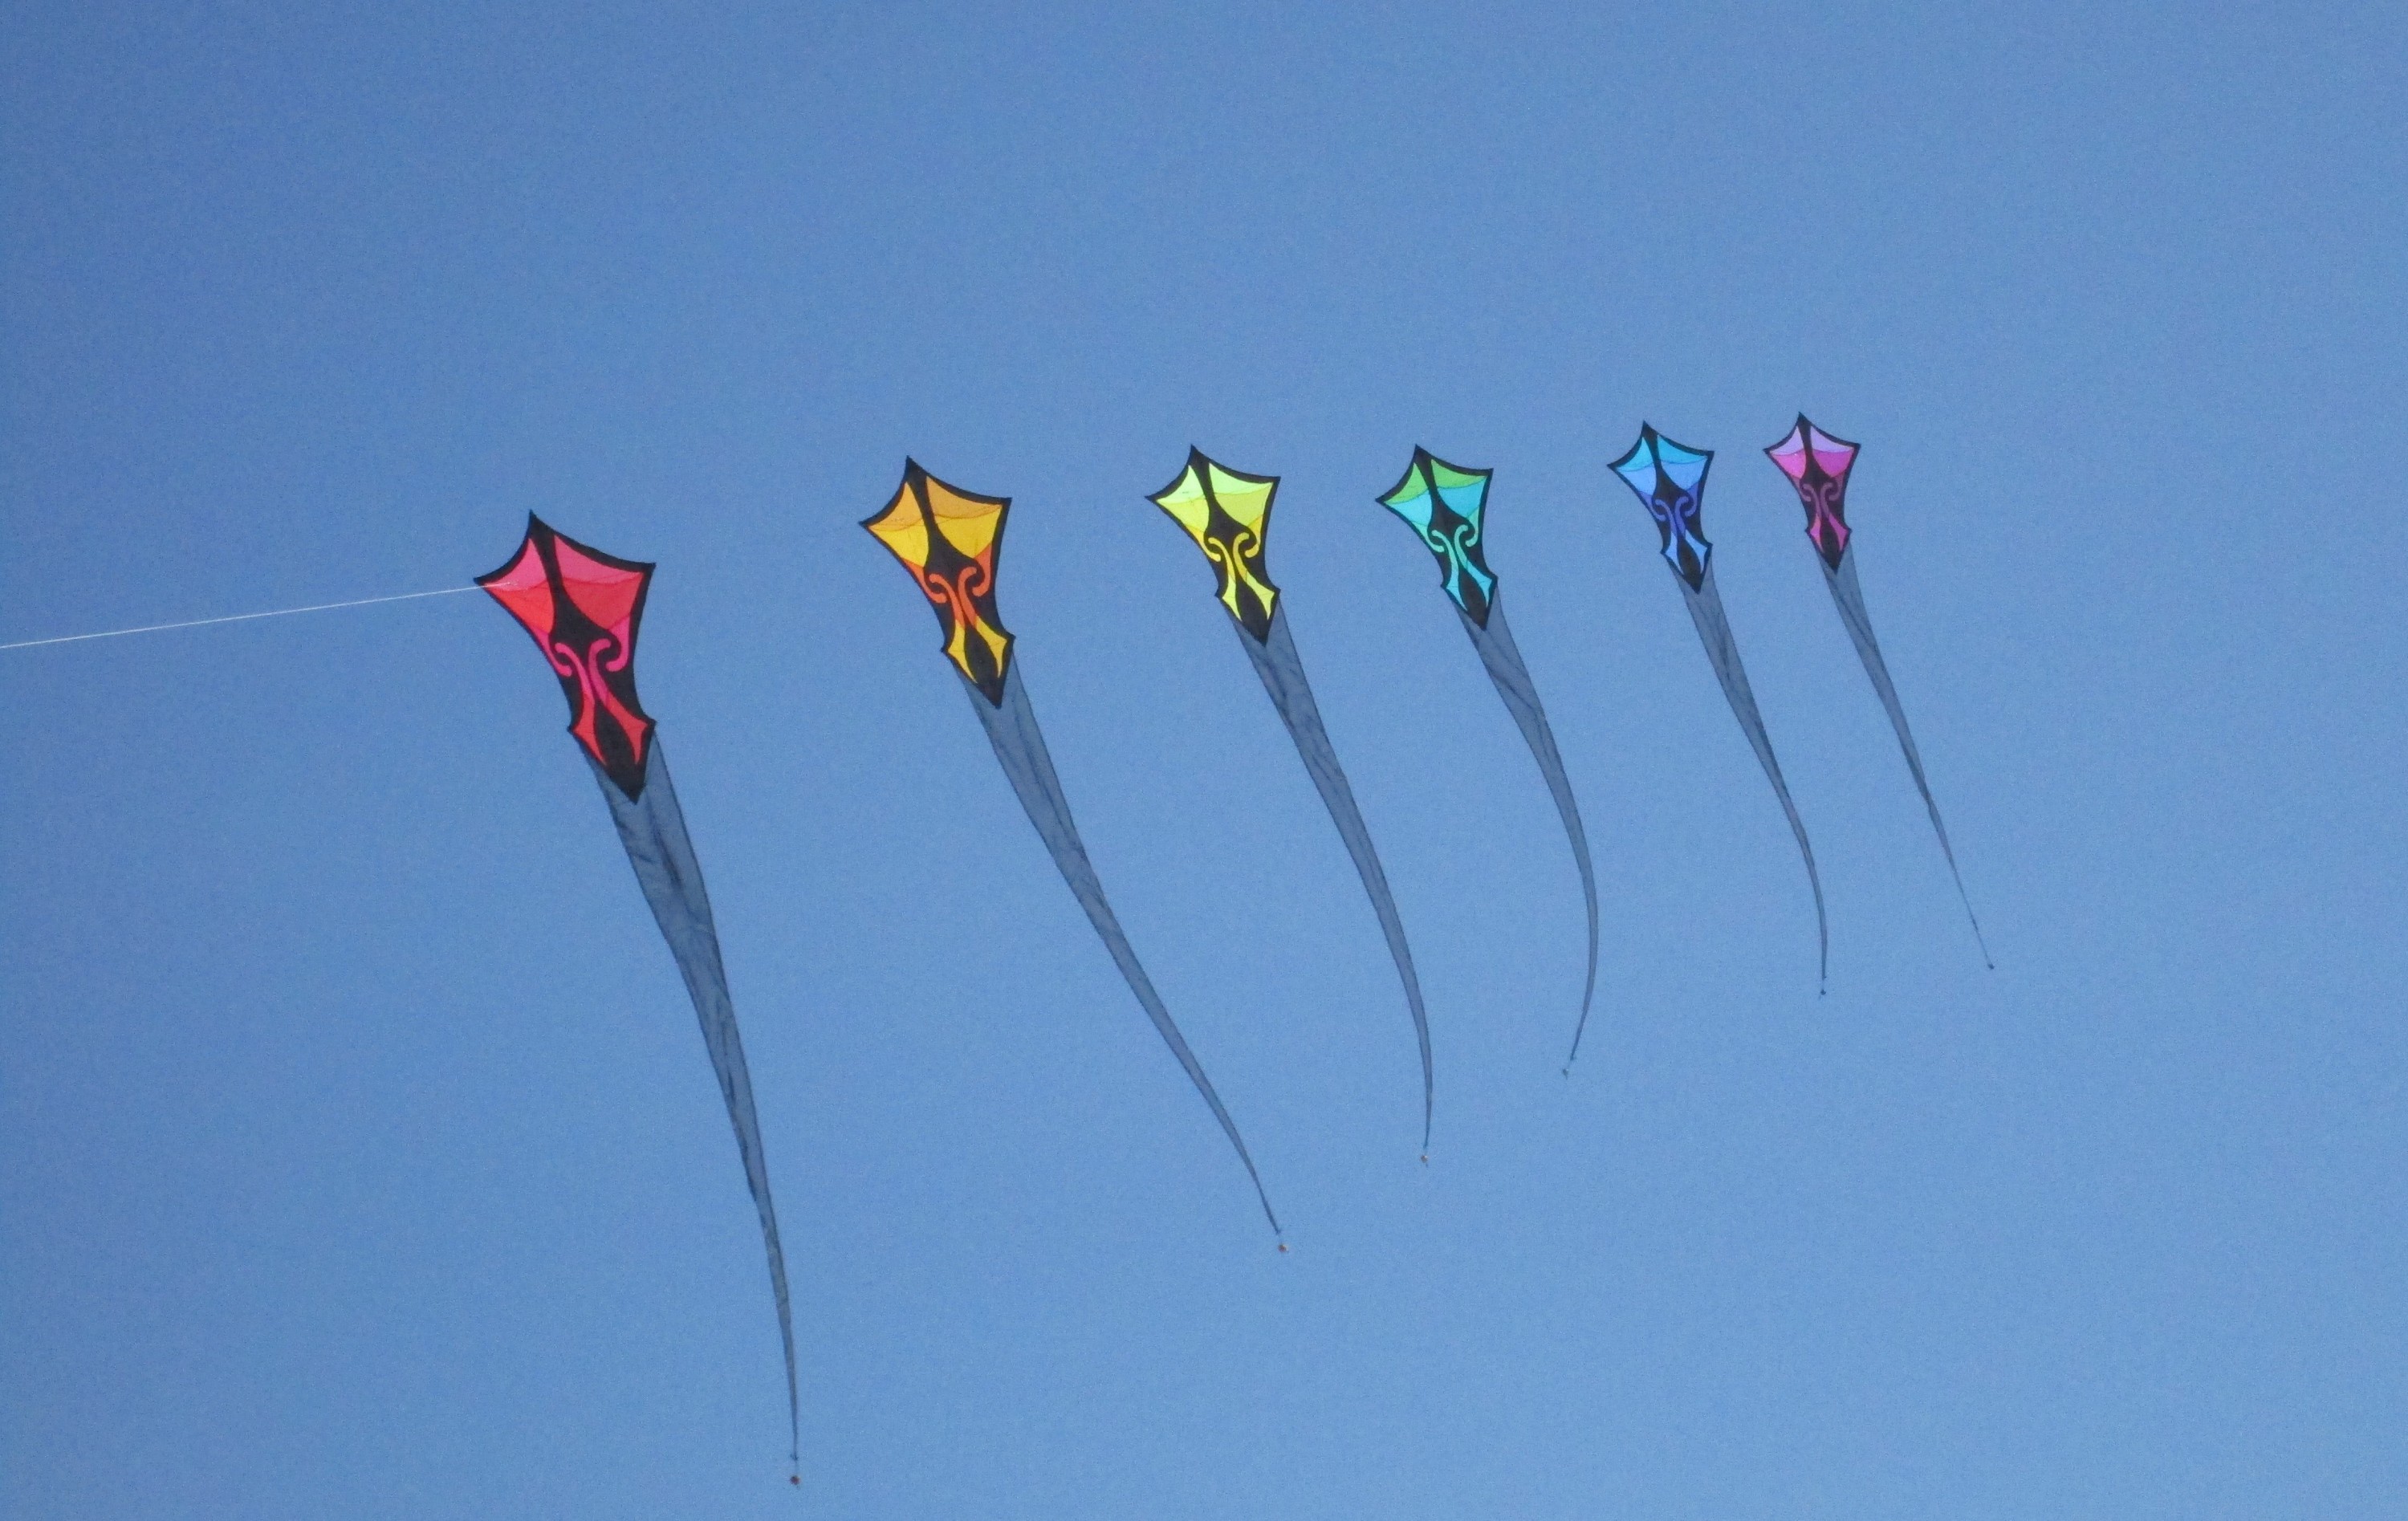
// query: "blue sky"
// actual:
[[360, 1155]]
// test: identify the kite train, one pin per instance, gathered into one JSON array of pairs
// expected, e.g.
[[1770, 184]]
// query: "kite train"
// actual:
[[1228, 512], [583, 609], [948, 541], [1446, 505], [1668, 479], [1817, 465]]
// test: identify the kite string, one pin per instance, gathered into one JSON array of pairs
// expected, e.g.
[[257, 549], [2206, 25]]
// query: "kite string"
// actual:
[[235, 618]]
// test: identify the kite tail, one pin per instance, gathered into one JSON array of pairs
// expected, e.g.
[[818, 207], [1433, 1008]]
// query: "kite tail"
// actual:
[[653, 828], [1011, 729], [1283, 673], [1850, 598], [1713, 628], [1504, 659]]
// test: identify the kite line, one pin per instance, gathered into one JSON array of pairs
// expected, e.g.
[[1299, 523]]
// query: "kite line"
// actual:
[[234, 618]]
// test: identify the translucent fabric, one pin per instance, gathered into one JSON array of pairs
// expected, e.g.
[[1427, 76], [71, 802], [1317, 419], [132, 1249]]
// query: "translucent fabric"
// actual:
[[653, 828], [1276, 662], [1511, 678], [1722, 651], [1011, 729], [1850, 599]]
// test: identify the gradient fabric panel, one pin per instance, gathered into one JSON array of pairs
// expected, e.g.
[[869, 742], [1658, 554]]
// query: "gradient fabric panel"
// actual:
[[1512, 679], [1817, 465], [1011, 729], [1714, 630], [950, 539], [653, 828], [1669, 479], [1276, 662], [584, 609], [1229, 514], [1446, 505]]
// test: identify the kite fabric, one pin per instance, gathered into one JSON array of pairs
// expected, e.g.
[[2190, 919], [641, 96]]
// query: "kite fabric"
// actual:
[[1669, 479], [949, 539], [1227, 513], [584, 609], [1447, 506], [1817, 465]]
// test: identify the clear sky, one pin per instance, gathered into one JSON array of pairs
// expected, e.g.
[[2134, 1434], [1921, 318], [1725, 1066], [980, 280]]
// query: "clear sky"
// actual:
[[358, 1155]]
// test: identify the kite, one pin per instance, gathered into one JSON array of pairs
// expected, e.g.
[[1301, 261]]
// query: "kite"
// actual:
[[949, 539], [1445, 504], [1817, 465], [1669, 478], [1228, 512], [583, 609]]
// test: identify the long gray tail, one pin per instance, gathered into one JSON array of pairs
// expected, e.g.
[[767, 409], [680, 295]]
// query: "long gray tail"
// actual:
[[1713, 628], [1283, 673], [652, 828], [1011, 729], [1511, 678], [1850, 598]]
